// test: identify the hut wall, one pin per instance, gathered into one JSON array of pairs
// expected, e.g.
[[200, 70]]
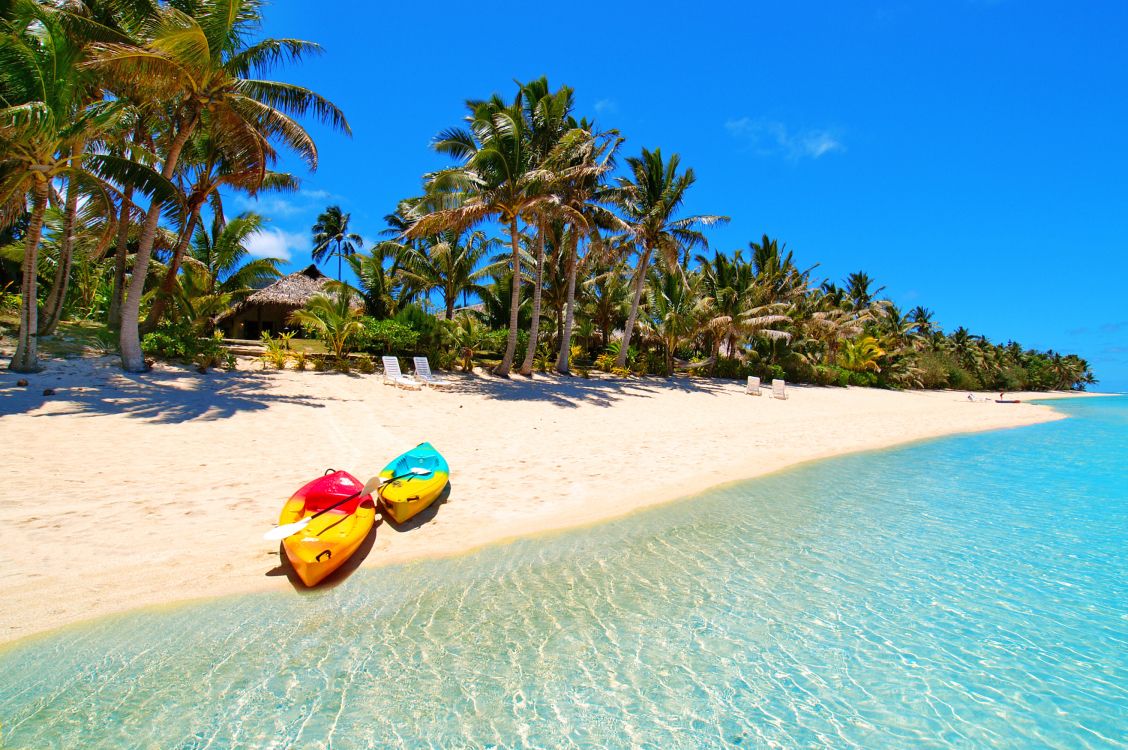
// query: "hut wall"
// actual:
[[251, 321]]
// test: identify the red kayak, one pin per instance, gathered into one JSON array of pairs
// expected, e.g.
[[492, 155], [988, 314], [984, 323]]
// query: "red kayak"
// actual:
[[334, 535]]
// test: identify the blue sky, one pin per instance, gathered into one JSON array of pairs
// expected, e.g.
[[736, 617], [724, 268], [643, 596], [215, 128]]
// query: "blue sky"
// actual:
[[970, 155]]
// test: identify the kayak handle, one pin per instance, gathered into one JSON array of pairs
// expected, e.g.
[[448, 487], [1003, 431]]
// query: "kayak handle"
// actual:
[[327, 553]]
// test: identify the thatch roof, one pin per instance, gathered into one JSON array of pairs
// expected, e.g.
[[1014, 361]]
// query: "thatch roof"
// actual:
[[293, 291]]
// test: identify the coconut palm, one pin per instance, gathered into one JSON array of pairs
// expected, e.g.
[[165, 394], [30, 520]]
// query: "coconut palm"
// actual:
[[45, 122], [497, 179], [449, 263], [650, 199], [332, 231], [674, 311], [194, 56], [208, 165], [609, 299], [220, 255]]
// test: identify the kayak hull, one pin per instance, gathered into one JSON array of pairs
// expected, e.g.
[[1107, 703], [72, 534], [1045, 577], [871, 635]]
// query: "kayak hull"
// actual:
[[411, 494], [330, 539]]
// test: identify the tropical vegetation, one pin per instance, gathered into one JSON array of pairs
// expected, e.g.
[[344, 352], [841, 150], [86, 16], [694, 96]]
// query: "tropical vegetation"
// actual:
[[540, 246]]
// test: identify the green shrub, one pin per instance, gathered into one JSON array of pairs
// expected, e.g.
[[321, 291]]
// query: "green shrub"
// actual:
[[176, 341], [729, 367], [388, 337], [933, 370], [605, 362], [864, 379], [962, 380]]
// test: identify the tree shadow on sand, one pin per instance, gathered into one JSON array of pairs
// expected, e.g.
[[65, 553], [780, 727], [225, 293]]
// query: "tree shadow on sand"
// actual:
[[572, 392], [163, 397]]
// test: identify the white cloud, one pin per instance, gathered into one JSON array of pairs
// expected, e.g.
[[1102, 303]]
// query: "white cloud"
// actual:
[[276, 243], [606, 107], [281, 205], [771, 138]]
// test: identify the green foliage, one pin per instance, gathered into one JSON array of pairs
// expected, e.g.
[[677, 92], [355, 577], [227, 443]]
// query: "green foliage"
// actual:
[[730, 367], [277, 350], [388, 337], [333, 318], [605, 361], [177, 341], [9, 299]]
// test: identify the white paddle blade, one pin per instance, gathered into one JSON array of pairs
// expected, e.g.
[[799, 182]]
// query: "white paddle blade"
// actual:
[[289, 529]]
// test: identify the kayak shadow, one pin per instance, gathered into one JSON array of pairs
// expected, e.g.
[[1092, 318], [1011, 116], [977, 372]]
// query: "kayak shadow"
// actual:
[[422, 517], [347, 568]]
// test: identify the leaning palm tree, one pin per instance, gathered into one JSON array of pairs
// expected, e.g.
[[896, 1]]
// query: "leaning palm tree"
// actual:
[[198, 61], [650, 199], [332, 231]]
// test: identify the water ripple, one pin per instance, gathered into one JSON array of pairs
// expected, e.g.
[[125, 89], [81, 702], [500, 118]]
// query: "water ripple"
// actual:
[[971, 592]]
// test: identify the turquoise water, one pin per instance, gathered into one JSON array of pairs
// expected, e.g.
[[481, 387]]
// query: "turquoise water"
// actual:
[[968, 592]]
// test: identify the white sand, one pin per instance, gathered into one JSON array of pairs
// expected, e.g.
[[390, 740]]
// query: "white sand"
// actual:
[[126, 490]]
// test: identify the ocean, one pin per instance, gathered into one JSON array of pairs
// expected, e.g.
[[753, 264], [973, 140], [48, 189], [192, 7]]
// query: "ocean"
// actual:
[[966, 592]]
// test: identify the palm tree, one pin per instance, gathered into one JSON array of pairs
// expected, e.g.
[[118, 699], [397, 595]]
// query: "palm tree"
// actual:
[[650, 199], [729, 293], [448, 263], [209, 164], [674, 311], [332, 228], [332, 316], [609, 300], [221, 256], [45, 122], [197, 60], [498, 179]]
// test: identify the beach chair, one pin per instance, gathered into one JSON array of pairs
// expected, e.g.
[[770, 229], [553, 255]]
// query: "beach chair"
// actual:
[[423, 372], [753, 388], [779, 388], [393, 375]]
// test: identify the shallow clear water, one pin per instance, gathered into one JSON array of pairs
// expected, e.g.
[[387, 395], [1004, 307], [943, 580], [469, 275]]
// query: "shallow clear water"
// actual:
[[967, 592]]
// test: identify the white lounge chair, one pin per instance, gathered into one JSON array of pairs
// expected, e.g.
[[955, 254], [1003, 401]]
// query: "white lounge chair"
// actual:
[[423, 372], [779, 388], [393, 375], [753, 388]]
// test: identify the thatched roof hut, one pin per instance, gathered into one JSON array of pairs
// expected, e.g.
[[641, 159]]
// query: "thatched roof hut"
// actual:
[[269, 308]]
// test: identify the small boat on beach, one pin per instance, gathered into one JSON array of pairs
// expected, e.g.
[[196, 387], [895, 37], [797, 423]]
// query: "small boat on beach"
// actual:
[[409, 490], [341, 518]]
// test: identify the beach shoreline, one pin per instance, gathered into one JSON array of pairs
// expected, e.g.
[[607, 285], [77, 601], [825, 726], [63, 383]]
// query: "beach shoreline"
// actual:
[[168, 479]]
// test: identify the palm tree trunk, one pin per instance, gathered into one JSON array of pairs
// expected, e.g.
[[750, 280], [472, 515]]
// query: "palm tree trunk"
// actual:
[[639, 283], [514, 304], [132, 358], [53, 308], [26, 358], [160, 304], [562, 364], [121, 254], [534, 327]]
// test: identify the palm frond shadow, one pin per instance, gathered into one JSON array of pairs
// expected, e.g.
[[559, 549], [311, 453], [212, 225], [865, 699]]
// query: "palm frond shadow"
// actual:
[[572, 392], [164, 397]]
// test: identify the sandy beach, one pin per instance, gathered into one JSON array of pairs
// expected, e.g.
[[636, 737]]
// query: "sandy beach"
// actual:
[[127, 490]]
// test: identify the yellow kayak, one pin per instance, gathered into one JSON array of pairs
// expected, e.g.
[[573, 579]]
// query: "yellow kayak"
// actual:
[[331, 538], [412, 491]]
